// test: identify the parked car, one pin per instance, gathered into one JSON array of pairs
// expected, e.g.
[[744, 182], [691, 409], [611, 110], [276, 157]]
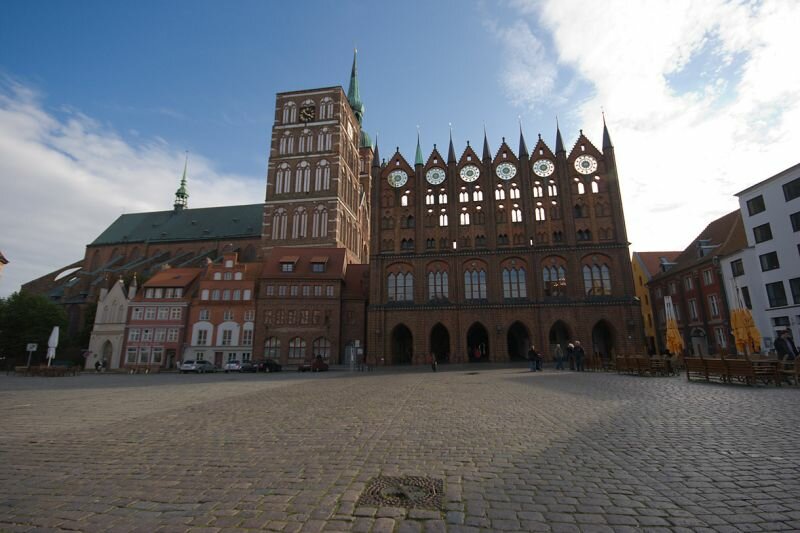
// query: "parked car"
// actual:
[[199, 367], [233, 366], [318, 364], [268, 365], [248, 366]]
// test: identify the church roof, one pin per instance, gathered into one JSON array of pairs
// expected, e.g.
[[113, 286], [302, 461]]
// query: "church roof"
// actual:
[[3, 259], [205, 223]]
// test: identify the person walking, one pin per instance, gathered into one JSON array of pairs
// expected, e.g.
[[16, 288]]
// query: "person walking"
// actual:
[[533, 359], [578, 354], [558, 355], [785, 347], [434, 362], [571, 356]]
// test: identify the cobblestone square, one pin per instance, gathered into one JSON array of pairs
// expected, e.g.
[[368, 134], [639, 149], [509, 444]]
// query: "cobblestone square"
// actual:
[[517, 451]]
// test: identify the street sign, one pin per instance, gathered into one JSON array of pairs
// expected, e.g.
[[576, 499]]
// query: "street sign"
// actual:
[[31, 347]]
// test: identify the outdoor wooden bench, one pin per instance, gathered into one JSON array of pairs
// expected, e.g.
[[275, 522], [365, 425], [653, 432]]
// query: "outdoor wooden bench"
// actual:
[[622, 364], [695, 366], [740, 370], [787, 370]]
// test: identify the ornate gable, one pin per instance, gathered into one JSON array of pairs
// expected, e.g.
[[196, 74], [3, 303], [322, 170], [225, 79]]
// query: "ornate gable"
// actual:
[[435, 159]]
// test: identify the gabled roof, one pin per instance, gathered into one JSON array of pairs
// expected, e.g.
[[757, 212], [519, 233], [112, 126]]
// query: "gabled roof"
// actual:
[[173, 277], [723, 236], [651, 261], [227, 222], [302, 258]]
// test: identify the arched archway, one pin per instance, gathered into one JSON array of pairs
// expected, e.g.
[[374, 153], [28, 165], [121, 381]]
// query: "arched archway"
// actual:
[[559, 334], [478, 343], [402, 345], [603, 339], [518, 341], [440, 343], [107, 352]]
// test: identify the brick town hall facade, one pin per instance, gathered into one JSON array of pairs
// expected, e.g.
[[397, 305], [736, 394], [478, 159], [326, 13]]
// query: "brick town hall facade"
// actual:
[[472, 257]]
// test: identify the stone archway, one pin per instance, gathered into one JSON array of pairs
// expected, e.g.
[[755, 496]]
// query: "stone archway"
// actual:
[[518, 341], [402, 345], [603, 339], [440, 343], [559, 335], [478, 344], [107, 351]]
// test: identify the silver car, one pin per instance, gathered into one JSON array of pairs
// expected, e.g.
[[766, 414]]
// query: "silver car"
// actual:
[[198, 367]]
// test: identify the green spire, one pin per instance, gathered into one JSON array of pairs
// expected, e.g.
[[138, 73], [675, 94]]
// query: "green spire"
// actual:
[[353, 95], [418, 159], [182, 195]]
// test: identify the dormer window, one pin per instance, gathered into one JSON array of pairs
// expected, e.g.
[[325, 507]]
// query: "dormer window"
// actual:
[[228, 263], [318, 264], [287, 267], [288, 263]]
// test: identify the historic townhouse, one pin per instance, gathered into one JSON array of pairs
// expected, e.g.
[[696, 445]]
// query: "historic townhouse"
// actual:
[[156, 328], [222, 315], [645, 265], [108, 333]]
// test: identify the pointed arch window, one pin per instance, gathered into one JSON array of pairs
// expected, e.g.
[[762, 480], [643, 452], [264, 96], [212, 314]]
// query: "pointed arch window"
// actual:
[[299, 223], [279, 224], [516, 214], [539, 213], [305, 142], [289, 112], [443, 220], [272, 348], [514, 284], [537, 190], [322, 176], [302, 177], [442, 197], [320, 222], [477, 195], [552, 189], [581, 188], [286, 144], [595, 187], [430, 199], [499, 194], [555, 280], [297, 348], [597, 280], [463, 197], [324, 140], [326, 108], [283, 179], [513, 193], [437, 285], [400, 287], [321, 347], [464, 219], [475, 284]]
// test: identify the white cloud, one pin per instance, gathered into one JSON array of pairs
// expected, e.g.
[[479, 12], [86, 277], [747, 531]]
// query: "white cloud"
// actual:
[[65, 179], [682, 153]]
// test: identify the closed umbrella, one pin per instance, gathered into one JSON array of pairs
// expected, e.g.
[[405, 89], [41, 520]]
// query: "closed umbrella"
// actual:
[[674, 338], [52, 342]]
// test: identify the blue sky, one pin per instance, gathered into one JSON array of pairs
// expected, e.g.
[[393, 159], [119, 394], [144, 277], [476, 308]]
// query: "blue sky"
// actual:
[[99, 100]]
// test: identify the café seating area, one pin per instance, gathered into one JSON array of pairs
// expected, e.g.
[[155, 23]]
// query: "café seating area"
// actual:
[[748, 370]]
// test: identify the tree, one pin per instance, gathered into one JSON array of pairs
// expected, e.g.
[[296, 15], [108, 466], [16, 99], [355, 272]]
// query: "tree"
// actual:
[[26, 318]]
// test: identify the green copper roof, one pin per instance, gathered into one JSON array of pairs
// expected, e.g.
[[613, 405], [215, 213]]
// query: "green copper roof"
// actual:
[[182, 194], [366, 142], [353, 95], [418, 159], [212, 223]]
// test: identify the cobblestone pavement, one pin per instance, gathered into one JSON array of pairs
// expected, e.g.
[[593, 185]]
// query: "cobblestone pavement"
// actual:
[[517, 451]]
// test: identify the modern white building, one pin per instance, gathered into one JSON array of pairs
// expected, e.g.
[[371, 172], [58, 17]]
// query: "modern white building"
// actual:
[[766, 275]]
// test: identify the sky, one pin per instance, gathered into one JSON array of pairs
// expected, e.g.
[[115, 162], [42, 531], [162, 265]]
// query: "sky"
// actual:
[[100, 100]]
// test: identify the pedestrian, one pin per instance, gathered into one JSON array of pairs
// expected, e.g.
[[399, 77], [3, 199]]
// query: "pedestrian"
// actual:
[[559, 357], [578, 354], [571, 356], [97, 366], [434, 362], [785, 347], [535, 359]]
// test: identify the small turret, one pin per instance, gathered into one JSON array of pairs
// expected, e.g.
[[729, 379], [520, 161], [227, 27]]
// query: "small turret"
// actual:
[[182, 194]]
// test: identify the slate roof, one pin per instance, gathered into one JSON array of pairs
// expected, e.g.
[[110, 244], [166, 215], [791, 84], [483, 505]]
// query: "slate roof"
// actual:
[[302, 259], [173, 277], [651, 261], [205, 223]]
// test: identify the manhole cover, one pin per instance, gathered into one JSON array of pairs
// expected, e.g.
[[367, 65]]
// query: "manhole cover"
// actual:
[[407, 491]]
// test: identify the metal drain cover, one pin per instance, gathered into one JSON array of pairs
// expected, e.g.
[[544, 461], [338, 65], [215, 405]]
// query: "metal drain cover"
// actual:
[[412, 492]]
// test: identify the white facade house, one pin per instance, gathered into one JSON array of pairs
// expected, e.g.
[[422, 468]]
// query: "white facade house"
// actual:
[[108, 333], [769, 268]]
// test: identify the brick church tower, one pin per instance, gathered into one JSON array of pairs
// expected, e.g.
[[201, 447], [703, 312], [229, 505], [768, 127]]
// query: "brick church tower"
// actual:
[[318, 183], [475, 258]]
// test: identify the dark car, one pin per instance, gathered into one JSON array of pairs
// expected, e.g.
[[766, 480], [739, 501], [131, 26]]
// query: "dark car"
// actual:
[[268, 365], [247, 366]]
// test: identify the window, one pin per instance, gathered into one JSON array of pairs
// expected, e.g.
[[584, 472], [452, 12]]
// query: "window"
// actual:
[[246, 294], [693, 309], [287, 267], [299, 223], [722, 339], [317, 267], [477, 195], [149, 313], [673, 287], [746, 297], [237, 276], [200, 356], [158, 355], [794, 286], [270, 290], [175, 313], [131, 355], [322, 347], [217, 276], [475, 284], [769, 261], [163, 313], [247, 337], [762, 233], [514, 284], [144, 355], [161, 334], [464, 219], [306, 290], [133, 335], [202, 337], [443, 220], [597, 280], [204, 294], [281, 290], [249, 315], [317, 290], [279, 221], [400, 287], [215, 294], [555, 281], [329, 291], [203, 314], [737, 268], [795, 219], [713, 305], [172, 335], [147, 335], [226, 337], [708, 279], [272, 348], [293, 290], [237, 294], [755, 205], [687, 283], [437, 285], [159, 293], [297, 348], [227, 315], [791, 190], [228, 276], [148, 293]]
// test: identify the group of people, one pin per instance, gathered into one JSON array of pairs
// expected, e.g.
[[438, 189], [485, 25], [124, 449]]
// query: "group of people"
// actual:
[[574, 357], [785, 346]]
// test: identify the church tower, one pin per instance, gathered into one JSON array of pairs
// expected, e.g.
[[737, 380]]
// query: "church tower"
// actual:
[[318, 180]]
